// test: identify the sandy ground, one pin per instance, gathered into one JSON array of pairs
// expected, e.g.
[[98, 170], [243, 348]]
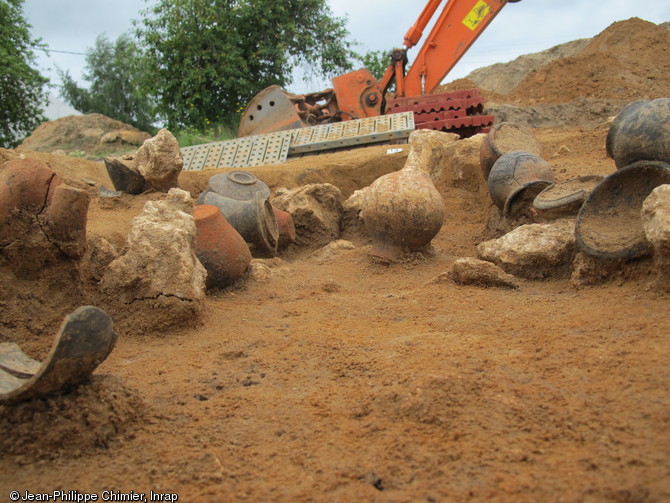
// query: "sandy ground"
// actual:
[[340, 379]]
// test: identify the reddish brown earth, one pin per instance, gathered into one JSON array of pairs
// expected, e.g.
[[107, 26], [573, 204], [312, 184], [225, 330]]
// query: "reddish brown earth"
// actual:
[[340, 379]]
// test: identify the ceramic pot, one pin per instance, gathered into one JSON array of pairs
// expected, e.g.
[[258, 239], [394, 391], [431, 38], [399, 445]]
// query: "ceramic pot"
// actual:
[[516, 176], [239, 185], [25, 185], [254, 219], [403, 212], [609, 223], [286, 227], [503, 138], [641, 132], [219, 247]]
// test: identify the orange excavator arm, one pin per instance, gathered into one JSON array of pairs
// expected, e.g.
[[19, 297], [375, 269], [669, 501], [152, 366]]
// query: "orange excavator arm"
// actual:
[[458, 26]]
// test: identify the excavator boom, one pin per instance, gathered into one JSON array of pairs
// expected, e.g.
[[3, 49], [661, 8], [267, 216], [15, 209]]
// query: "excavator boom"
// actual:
[[456, 29]]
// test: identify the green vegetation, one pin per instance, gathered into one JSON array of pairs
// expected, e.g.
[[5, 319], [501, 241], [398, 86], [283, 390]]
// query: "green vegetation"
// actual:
[[376, 62], [192, 136], [23, 93], [117, 75], [195, 63], [206, 57]]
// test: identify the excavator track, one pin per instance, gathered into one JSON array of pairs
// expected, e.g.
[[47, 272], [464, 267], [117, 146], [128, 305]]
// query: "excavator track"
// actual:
[[460, 112]]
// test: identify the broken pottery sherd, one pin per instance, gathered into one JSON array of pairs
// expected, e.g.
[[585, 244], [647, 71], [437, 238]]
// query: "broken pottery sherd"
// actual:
[[84, 340], [123, 177]]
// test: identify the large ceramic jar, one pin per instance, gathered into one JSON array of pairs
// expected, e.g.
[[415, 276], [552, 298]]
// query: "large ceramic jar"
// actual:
[[403, 212]]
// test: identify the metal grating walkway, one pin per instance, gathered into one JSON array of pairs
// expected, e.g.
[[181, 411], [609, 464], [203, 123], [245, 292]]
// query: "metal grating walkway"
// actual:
[[275, 148], [239, 153]]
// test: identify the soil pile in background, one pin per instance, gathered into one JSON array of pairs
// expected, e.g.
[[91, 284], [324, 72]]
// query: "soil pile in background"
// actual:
[[627, 61], [580, 83], [94, 136], [501, 78]]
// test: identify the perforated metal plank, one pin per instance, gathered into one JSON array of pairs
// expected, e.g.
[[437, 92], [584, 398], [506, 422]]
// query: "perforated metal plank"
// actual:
[[275, 148], [350, 133], [256, 150]]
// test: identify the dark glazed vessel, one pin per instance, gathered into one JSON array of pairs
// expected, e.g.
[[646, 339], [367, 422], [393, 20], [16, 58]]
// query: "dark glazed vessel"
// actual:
[[609, 224], [641, 132], [244, 201], [516, 173]]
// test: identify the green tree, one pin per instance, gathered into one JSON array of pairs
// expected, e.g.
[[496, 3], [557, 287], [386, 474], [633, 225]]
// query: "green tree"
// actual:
[[376, 62], [23, 93], [208, 58], [115, 73]]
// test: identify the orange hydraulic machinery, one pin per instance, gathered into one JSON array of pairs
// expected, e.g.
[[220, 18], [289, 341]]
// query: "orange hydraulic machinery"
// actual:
[[357, 94]]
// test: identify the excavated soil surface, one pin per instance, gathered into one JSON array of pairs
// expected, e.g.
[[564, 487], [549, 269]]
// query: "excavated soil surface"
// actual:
[[335, 378]]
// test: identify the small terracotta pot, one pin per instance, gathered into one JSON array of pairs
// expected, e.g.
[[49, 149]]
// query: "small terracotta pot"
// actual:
[[25, 185], [219, 247], [286, 227]]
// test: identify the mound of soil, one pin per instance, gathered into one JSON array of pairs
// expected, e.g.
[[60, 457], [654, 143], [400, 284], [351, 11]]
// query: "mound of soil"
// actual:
[[501, 78], [93, 136], [580, 83], [627, 61], [90, 417]]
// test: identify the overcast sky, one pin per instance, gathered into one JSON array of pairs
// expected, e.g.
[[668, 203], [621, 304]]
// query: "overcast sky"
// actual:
[[521, 28]]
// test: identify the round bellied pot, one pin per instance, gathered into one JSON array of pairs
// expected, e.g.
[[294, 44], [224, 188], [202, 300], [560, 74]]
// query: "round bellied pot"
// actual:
[[609, 224], [516, 176], [641, 132], [219, 247], [403, 212], [503, 138], [254, 219], [286, 227], [239, 185]]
